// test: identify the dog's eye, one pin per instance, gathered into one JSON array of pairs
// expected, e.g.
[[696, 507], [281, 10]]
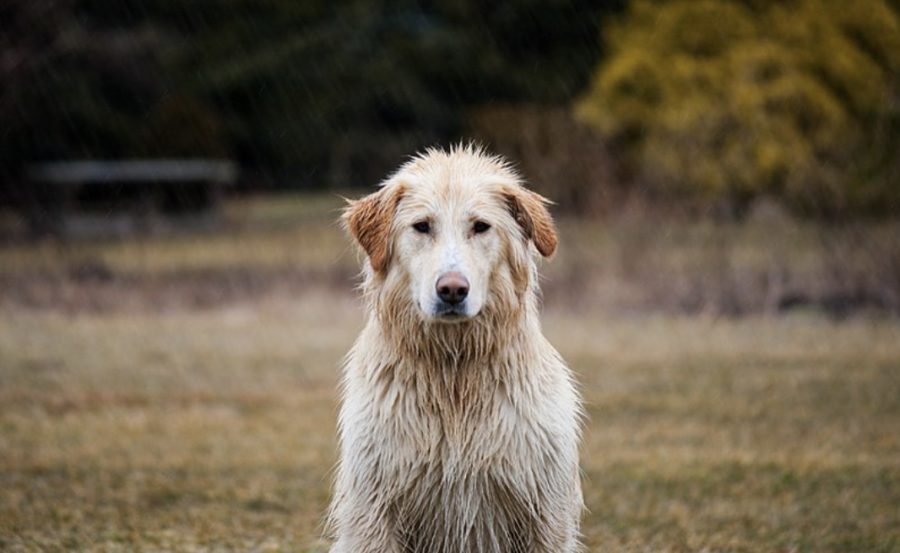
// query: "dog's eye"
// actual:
[[422, 226], [480, 227]]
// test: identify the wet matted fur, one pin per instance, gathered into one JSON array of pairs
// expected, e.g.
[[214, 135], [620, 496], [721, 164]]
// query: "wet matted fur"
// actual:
[[459, 425]]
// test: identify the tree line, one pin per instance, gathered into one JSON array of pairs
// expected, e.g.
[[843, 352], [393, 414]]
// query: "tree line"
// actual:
[[714, 101], [311, 93]]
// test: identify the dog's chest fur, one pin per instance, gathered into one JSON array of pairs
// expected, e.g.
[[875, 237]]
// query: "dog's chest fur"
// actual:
[[477, 511], [467, 458]]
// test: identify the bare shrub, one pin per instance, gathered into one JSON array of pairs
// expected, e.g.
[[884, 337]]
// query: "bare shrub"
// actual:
[[861, 267], [643, 260]]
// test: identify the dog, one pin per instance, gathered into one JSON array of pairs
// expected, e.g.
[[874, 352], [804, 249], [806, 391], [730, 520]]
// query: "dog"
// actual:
[[460, 423]]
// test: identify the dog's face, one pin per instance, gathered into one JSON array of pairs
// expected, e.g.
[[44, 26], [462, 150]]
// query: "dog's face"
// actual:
[[451, 233]]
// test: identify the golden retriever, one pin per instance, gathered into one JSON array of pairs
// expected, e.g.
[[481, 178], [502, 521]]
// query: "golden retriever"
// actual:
[[460, 423]]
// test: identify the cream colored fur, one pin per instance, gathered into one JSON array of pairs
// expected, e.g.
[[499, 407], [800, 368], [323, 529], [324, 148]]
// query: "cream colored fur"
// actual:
[[455, 435]]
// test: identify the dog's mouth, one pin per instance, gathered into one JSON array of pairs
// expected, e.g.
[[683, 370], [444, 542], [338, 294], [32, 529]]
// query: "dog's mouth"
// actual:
[[450, 313]]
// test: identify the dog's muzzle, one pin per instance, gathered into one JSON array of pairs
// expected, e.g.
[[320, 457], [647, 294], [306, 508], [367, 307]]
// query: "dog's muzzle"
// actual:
[[452, 288]]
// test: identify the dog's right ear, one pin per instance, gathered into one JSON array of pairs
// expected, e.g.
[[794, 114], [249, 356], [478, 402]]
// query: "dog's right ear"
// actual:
[[369, 221]]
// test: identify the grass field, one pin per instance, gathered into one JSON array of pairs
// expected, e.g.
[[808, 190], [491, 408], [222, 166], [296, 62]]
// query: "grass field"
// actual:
[[162, 424]]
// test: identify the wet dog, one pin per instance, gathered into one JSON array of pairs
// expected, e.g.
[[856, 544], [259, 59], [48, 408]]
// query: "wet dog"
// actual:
[[459, 426]]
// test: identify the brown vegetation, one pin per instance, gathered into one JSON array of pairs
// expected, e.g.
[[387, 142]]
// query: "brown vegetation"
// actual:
[[635, 261]]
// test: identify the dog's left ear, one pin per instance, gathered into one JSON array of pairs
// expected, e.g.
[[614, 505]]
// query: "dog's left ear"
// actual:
[[530, 211], [369, 221]]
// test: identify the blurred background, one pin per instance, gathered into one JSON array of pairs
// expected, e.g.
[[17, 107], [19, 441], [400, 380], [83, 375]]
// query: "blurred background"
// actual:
[[176, 294]]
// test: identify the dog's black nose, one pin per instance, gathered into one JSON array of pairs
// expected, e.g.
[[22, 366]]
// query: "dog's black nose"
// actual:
[[452, 287]]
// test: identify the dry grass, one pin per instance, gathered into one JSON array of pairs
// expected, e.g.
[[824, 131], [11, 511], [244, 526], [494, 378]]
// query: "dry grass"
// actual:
[[135, 428], [214, 429], [635, 262], [167, 432], [750, 435], [293, 231]]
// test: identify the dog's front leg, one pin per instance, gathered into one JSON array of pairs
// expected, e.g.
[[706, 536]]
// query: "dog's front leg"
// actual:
[[564, 544], [360, 521], [360, 544], [560, 532], [365, 533]]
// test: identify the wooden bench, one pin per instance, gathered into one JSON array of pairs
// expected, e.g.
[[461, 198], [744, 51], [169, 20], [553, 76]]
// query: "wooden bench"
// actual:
[[59, 194]]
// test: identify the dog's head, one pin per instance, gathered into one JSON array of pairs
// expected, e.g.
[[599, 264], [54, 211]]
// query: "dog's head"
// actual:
[[452, 233]]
